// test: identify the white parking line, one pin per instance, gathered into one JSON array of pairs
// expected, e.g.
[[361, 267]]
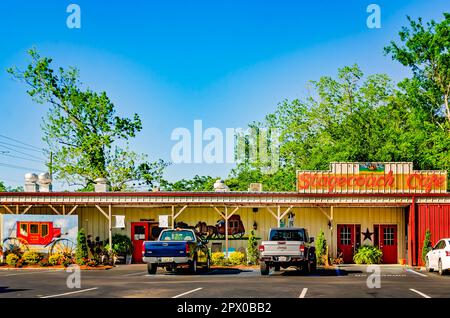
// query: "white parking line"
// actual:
[[133, 274], [303, 293], [414, 272], [188, 292], [34, 272], [420, 293], [70, 293]]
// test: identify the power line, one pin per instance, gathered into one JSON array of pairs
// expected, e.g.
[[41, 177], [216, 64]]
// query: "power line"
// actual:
[[19, 167], [21, 147], [23, 153], [20, 142], [18, 157]]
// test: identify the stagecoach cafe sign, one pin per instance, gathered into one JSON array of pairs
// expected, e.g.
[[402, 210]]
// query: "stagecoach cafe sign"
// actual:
[[387, 177]]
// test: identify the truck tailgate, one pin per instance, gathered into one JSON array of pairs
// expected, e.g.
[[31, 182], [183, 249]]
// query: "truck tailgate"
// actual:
[[165, 249], [273, 248]]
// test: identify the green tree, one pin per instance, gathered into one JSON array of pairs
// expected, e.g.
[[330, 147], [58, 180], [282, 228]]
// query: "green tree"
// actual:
[[252, 249], [425, 49], [88, 140], [321, 248], [424, 98], [342, 119], [81, 254], [197, 183], [426, 245], [4, 188]]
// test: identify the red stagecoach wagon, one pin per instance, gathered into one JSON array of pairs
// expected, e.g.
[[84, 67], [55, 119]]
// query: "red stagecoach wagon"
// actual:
[[41, 235]]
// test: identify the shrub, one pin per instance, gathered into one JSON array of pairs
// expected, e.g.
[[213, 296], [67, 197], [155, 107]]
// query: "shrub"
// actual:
[[67, 260], [12, 259], [252, 249], [55, 259], [321, 248], [44, 262], [92, 262], [82, 248], [31, 258], [426, 245], [121, 244], [218, 259], [368, 254], [236, 258]]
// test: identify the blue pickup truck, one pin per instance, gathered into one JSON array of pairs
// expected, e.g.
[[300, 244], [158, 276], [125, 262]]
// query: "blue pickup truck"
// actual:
[[176, 248]]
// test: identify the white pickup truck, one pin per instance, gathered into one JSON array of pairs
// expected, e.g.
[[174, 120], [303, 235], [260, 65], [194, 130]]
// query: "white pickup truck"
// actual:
[[287, 247]]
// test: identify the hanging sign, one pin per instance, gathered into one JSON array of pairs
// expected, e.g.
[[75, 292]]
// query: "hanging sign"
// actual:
[[120, 221], [163, 221]]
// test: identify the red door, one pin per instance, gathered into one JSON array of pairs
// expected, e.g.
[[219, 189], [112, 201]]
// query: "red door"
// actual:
[[348, 239], [34, 236], [139, 234], [386, 240]]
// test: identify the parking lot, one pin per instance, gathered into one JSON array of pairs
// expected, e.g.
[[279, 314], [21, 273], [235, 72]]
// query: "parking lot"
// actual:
[[132, 281]]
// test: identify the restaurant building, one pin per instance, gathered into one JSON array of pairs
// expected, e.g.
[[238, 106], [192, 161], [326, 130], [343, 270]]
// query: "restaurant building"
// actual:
[[389, 205]]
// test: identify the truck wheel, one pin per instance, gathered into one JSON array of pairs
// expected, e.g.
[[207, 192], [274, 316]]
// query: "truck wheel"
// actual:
[[313, 266], [169, 269], [264, 268], [151, 268], [306, 267], [277, 268], [193, 266]]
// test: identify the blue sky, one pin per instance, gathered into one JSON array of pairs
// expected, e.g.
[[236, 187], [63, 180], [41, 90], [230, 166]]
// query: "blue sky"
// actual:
[[225, 62]]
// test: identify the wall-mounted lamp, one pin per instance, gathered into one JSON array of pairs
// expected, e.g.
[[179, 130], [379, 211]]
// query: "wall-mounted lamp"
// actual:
[[255, 210], [255, 225], [329, 225]]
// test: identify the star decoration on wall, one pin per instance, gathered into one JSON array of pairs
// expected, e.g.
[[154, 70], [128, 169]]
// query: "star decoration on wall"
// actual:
[[367, 235]]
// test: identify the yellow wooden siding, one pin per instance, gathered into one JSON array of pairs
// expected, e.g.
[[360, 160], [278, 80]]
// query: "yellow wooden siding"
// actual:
[[311, 218]]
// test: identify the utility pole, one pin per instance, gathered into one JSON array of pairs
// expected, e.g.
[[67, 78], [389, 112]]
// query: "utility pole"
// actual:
[[50, 165]]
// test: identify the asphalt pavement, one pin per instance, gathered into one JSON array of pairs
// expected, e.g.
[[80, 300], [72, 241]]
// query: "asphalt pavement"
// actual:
[[132, 281]]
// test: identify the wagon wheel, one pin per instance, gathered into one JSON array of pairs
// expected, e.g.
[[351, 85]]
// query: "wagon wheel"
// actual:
[[15, 245], [237, 235], [62, 246]]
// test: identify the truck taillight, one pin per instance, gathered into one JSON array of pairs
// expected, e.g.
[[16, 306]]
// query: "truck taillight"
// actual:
[[447, 253], [302, 248], [261, 248], [188, 249], [143, 248]]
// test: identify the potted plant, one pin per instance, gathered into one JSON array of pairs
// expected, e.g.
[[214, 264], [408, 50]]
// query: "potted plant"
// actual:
[[122, 248]]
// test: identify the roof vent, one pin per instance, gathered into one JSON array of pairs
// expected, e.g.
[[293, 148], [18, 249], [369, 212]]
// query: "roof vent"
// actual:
[[220, 186], [101, 185], [255, 187], [31, 183], [45, 182]]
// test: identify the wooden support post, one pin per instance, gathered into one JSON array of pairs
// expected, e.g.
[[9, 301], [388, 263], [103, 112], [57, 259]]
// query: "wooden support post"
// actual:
[[26, 209], [103, 212], [17, 209], [278, 216], [286, 212], [110, 227], [331, 231], [226, 232], [173, 217], [73, 210], [54, 210], [8, 209], [271, 212], [64, 209]]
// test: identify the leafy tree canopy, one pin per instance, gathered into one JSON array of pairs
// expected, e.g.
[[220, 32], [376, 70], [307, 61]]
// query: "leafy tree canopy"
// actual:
[[88, 140]]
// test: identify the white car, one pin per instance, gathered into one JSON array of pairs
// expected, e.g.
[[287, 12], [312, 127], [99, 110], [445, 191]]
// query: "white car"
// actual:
[[439, 257]]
